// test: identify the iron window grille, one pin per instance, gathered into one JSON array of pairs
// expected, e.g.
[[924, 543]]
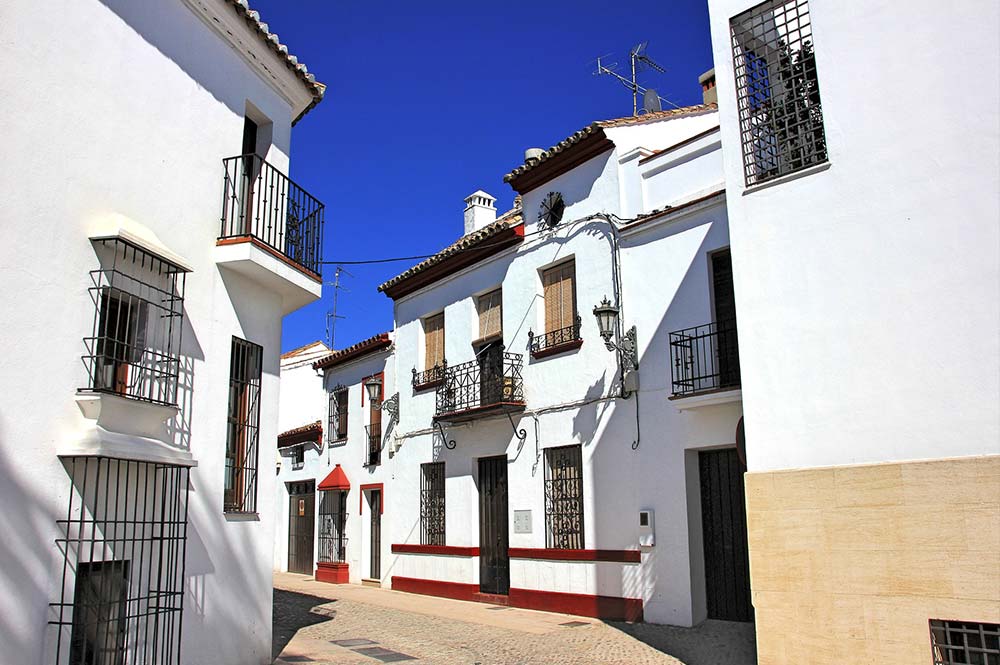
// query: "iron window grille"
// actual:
[[432, 504], [373, 451], [777, 90], [564, 497], [134, 346], [123, 544], [705, 358], [965, 642], [494, 378], [332, 546], [240, 495], [337, 423], [556, 338], [298, 457], [261, 202], [429, 377]]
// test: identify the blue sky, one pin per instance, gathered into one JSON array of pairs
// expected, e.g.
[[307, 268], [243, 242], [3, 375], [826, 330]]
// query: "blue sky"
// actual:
[[428, 102]]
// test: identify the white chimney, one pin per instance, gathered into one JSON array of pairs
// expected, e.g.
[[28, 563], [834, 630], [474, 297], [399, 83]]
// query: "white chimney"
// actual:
[[479, 211]]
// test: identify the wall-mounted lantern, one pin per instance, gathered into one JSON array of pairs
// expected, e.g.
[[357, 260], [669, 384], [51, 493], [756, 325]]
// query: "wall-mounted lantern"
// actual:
[[607, 324], [374, 388]]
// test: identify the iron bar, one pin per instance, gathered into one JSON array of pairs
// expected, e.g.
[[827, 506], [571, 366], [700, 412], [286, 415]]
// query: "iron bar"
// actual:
[[493, 379], [564, 497], [555, 338], [705, 358], [432, 504]]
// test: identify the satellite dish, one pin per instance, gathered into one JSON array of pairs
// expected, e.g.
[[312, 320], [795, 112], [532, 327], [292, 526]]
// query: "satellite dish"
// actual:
[[651, 101]]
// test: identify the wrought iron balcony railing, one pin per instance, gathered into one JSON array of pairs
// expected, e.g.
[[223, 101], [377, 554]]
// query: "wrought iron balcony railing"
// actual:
[[490, 382], [705, 358], [373, 453], [429, 378], [261, 202], [555, 341]]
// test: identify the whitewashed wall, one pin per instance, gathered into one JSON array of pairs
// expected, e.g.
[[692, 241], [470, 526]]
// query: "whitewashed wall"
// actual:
[[119, 108], [869, 293]]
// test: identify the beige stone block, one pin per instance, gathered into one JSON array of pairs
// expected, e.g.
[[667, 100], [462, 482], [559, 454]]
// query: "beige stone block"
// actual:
[[863, 572], [785, 530], [804, 489], [759, 490], [952, 481], [783, 571], [931, 527], [982, 527], [905, 618], [875, 485], [921, 573], [975, 575], [861, 528]]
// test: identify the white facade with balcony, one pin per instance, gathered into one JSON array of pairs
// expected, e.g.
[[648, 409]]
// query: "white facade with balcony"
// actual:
[[123, 525]]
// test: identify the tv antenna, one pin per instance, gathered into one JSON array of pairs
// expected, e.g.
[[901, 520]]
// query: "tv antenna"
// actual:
[[331, 315], [638, 61]]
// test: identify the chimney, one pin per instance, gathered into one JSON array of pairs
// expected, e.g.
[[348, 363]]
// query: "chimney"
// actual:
[[479, 211], [708, 92]]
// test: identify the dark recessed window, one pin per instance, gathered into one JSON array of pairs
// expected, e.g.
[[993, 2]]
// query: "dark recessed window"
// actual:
[[240, 494], [432, 503], [564, 497], [777, 90], [337, 423], [965, 643], [298, 456]]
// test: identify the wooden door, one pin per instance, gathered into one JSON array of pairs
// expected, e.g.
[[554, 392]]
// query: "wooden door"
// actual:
[[301, 526], [375, 569], [494, 562], [724, 530]]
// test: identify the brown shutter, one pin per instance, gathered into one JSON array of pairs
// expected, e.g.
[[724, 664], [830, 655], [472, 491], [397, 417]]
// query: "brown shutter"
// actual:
[[433, 340], [559, 291], [490, 323]]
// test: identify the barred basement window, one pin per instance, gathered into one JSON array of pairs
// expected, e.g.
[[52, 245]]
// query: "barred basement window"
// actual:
[[432, 503], [240, 495], [123, 543], [965, 643], [777, 90], [134, 348], [564, 497], [337, 423]]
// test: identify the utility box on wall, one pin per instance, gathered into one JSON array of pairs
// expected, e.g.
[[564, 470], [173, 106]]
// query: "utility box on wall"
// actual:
[[647, 535]]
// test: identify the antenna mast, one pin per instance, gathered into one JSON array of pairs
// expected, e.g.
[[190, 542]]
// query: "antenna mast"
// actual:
[[638, 60], [331, 315]]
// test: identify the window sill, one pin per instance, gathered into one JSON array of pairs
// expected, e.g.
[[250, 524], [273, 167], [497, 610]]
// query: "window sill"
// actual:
[[556, 349], [787, 178], [237, 516]]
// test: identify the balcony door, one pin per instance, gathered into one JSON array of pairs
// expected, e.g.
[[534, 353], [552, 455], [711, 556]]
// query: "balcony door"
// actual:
[[490, 358], [494, 561], [251, 169], [724, 306]]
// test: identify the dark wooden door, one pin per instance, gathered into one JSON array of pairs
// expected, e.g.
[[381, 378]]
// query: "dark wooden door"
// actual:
[[494, 562], [376, 529], [724, 304], [301, 526], [724, 529]]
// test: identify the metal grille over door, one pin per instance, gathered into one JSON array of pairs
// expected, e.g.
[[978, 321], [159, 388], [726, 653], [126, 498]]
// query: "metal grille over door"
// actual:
[[123, 542]]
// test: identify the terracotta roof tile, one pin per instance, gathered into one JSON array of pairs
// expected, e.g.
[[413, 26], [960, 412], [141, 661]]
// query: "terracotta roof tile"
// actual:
[[310, 432], [509, 219], [600, 125], [297, 351], [370, 345]]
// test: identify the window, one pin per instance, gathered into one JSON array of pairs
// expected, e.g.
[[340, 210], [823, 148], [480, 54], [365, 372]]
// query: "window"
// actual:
[[134, 348], [490, 315], [99, 621], [374, 454], [559, 293], [777, 90], [337, 418], [240, 493], [298, 456], [954, 642], [564, 497], [432, 503], [332, 526], [434, 341]]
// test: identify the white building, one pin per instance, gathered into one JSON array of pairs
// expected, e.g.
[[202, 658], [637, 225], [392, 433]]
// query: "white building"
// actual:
[[517, 462], [141, 372], [864, 218]]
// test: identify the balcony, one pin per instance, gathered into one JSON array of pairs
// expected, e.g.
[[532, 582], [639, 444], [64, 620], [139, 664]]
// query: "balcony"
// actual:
[[555, 342], [373, 452], [488, 385], [705, 360], [272, 230]]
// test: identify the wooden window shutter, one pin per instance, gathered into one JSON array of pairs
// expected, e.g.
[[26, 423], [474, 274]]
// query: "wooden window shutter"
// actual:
[[490, 314], [433, 340], [559, 293]]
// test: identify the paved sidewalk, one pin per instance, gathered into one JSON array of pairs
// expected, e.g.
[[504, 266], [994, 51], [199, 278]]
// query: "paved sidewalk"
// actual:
[[349, 624]]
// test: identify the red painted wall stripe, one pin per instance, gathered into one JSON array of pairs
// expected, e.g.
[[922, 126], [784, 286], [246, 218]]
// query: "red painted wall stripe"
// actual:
[[619, 556], [443, 550], [456, 590]]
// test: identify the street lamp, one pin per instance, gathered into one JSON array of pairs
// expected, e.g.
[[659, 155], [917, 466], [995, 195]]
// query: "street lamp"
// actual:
[[374, 388], [607, 324]]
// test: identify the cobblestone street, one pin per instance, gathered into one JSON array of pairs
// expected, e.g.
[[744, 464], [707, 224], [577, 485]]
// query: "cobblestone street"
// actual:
[[321, 623]]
